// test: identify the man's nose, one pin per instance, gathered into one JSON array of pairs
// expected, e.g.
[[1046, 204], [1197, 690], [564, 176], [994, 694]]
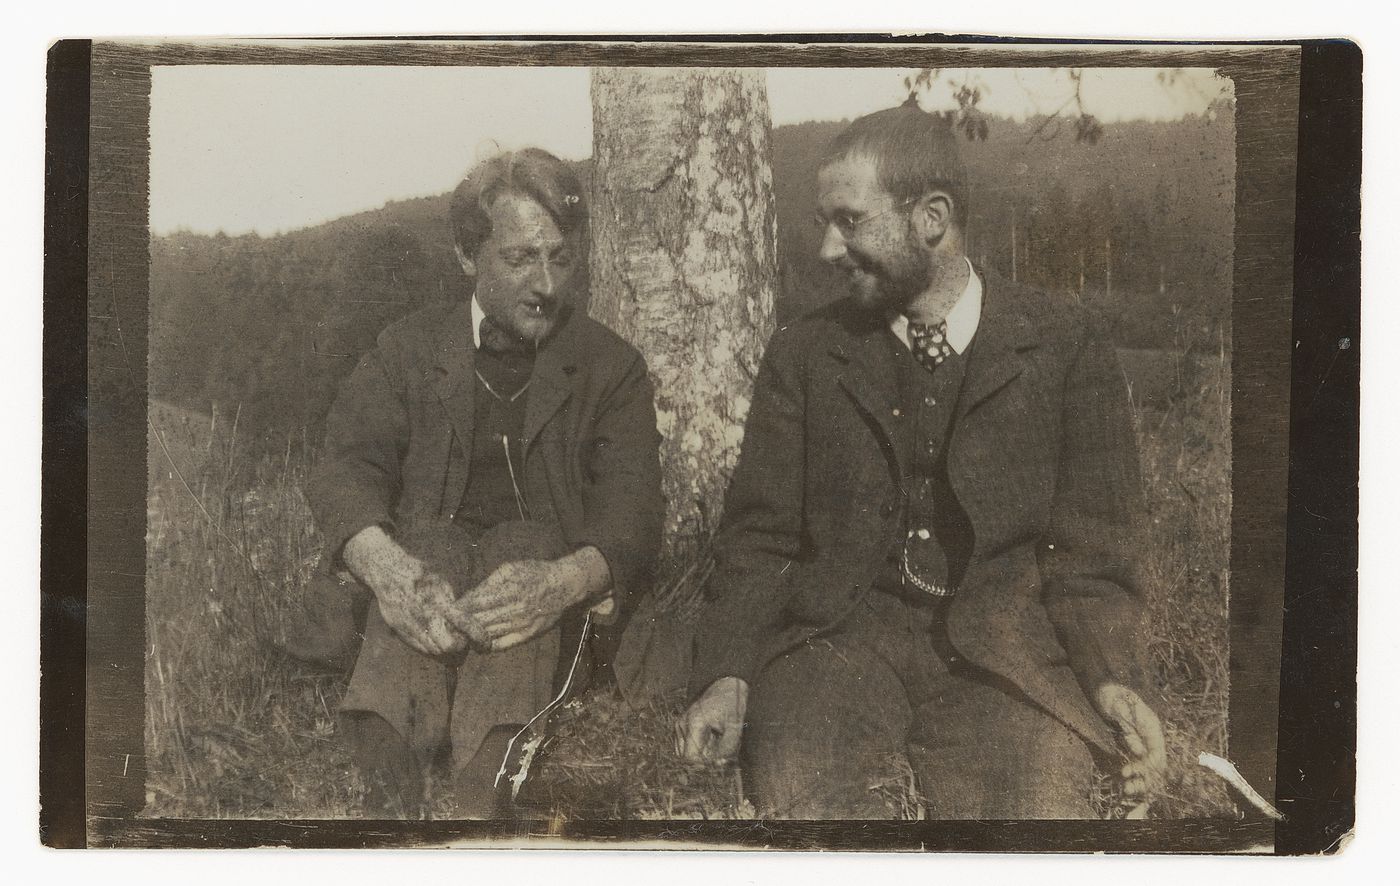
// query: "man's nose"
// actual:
[[833, 246], [546, 279]]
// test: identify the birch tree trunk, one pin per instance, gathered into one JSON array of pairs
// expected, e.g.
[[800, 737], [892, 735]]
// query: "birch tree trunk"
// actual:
[[684, 263]]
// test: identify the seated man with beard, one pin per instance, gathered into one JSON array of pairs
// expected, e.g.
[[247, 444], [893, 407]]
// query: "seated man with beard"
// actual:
[[927, 551]]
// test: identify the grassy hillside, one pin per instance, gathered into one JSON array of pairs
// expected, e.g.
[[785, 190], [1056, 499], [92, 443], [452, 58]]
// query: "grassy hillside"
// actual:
[[234, 730]]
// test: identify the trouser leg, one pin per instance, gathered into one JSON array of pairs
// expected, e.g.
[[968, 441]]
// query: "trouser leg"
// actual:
[[477, 795], [391, 771], [826, 733], [395, 715], [981, 750]]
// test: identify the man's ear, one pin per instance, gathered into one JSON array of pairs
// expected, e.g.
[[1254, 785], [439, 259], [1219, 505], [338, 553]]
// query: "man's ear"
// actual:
[[933, 216], [468, 264]]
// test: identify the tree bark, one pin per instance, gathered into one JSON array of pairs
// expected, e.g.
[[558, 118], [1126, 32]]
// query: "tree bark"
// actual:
[[684, 264]]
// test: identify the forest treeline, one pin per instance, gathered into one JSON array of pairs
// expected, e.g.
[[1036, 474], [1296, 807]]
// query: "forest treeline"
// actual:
[[1139, 226]]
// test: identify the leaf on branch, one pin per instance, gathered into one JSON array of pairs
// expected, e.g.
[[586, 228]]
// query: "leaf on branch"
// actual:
[[1088, 129]]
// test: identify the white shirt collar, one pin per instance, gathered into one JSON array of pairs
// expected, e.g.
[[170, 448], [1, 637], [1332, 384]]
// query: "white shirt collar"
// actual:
[[962, 318], [477, 316]]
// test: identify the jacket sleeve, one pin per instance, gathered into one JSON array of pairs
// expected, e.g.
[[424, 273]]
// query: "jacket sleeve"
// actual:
[[760, 534], [622, 503], [1092, 588], [357, 481]]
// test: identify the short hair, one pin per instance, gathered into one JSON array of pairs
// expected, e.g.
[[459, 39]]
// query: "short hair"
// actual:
[[915, 152], [529, 172]]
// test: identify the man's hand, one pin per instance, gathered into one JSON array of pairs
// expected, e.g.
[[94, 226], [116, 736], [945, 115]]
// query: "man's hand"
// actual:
[[415, 603], [1141, 732], [715, 722], [523, 599]]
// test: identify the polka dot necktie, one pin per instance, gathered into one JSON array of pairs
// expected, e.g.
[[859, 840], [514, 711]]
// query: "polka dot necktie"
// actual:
[[929, 342]]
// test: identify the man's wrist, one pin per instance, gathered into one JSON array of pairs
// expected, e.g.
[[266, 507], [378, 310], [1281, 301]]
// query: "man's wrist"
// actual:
[[376, 559], [587, 575], [730, 683], [359, 551], [1110, 695]]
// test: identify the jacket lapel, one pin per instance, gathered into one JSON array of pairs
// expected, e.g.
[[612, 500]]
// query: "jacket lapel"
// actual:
[[456, 383], [551, 385], [867, 374], [555, 368], [1003, 332]]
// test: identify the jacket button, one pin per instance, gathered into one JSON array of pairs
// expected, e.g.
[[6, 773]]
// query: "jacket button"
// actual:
[[930, 401]]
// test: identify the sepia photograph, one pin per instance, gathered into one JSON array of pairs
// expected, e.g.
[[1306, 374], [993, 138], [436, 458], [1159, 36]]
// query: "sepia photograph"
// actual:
[[593, 434]]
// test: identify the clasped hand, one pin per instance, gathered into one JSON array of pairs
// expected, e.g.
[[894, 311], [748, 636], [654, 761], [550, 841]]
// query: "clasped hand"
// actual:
[[413, 601], [418, 610], [516, 603]]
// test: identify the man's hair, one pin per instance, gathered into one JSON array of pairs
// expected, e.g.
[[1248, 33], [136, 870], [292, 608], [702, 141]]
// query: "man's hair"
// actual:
[[529, 172], [915, 152]]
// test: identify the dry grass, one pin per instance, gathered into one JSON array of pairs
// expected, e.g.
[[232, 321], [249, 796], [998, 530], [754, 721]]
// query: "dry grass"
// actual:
[[234, 730], [1185, 448], [612, 761]]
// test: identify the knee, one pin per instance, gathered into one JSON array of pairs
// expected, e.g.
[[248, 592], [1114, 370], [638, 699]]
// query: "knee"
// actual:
[[809, 757]]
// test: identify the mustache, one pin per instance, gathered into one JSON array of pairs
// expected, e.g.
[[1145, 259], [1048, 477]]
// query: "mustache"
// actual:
[[850, 262]]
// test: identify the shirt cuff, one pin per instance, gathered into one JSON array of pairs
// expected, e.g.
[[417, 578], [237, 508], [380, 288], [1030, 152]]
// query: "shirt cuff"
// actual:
[[605, 610]]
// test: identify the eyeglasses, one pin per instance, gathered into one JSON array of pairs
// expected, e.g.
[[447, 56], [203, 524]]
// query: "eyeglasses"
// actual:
[[847, 222], [518, 259]]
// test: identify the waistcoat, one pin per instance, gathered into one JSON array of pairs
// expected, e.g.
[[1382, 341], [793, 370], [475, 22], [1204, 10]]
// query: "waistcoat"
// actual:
[[936, 536]]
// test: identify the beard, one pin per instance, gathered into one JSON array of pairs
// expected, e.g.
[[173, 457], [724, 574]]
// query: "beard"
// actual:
[[889, 282]]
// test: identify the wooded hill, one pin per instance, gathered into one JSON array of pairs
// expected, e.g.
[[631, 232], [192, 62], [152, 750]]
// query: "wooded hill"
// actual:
[[1139, 225]]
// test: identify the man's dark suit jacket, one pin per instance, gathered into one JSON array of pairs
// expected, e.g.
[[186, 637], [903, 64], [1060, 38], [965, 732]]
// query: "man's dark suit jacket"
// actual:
[[399, 435], [1043, 461]]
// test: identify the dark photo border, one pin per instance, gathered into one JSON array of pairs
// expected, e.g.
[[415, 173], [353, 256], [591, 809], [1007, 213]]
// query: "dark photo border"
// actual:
[[1295, 442]]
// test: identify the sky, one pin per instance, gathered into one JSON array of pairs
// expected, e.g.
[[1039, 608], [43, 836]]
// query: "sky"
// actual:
[[273, 148]]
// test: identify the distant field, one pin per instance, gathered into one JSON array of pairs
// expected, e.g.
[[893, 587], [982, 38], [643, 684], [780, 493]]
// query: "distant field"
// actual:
[[234, 731]]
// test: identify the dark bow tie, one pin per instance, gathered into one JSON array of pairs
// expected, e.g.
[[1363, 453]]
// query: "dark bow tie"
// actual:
[[496, 339]]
